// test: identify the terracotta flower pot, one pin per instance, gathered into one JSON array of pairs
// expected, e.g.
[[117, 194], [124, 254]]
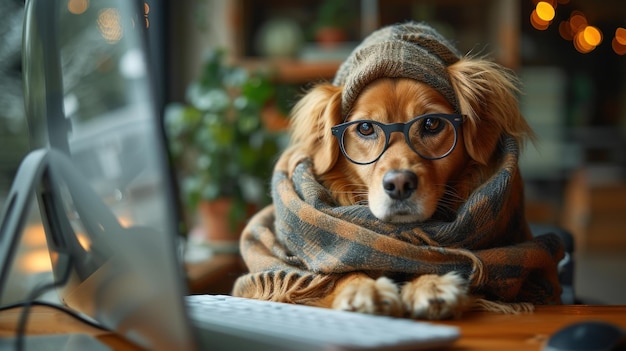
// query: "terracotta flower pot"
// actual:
[[330, 37], [214, 220]]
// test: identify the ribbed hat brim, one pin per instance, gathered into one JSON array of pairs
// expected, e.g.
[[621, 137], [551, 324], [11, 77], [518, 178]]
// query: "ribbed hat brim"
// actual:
[[408, 50]]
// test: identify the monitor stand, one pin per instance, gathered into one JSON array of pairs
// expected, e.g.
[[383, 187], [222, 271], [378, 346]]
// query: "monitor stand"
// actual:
[[31, 172]]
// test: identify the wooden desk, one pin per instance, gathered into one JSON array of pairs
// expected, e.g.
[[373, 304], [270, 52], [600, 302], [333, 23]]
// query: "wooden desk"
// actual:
[[480, 331], [489, 331], [47, 320]]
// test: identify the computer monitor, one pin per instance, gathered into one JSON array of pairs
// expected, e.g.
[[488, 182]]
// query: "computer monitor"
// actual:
[[100, 172]]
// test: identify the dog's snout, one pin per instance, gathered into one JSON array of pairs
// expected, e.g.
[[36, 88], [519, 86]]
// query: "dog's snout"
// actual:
[[399, 185]]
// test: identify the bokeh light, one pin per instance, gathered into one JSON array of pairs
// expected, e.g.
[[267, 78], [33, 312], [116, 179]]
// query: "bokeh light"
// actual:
[[619, 41], [592, 35], [77, 7], [537, 22], [37, 258], [581, 44], [35, 261], [146, 10], [620, 35], [545, 11], [618, 47], [576, 28], [565, 30], [577, 21], [110, 26]]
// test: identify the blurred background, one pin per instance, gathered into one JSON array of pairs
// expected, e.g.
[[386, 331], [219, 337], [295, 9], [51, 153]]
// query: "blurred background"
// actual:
[[569, 55]]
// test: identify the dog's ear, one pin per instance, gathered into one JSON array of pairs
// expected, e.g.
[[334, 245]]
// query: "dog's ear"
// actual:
[[311, 122], [487, 94]]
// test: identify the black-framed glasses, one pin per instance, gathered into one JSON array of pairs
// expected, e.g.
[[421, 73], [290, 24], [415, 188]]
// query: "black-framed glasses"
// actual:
[[432, 136]]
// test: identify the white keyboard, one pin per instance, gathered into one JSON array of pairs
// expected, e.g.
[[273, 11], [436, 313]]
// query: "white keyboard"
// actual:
[[232, 323]]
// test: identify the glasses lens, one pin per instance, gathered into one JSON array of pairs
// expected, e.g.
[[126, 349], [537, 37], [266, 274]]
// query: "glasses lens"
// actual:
[[363, 142], [432, 137]]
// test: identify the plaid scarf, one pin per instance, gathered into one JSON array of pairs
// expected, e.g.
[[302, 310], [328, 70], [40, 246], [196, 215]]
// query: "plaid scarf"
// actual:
[[297, 248]]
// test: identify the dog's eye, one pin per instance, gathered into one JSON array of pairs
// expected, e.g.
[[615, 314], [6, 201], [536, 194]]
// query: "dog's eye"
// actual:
[[433, 125], [365, 128]]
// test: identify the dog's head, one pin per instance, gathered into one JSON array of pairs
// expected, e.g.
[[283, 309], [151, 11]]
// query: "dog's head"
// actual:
[[408, 145]]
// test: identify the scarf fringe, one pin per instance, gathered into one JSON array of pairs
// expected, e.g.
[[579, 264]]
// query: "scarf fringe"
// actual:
[[289, 287]]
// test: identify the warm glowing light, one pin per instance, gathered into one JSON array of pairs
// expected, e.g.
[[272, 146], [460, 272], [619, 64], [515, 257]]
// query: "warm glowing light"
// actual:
[[537, 22], [565, 30], [577, 21], [125, 221], [77, 6], [620, 35], [34, 236], [84, 241], [592, 35], [110, 26], [618, 47], [581, 44], [146, 9], [545, 11], [35, 261], [576, 29]]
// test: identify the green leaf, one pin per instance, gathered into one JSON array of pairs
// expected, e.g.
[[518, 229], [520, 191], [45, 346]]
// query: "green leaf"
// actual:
[[235, 77], [211, 191], [213, 99], [258, 89], [247, 123], [212, 71]]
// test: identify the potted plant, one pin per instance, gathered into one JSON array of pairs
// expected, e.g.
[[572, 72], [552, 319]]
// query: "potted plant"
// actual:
[[329, 28], [222, 151]]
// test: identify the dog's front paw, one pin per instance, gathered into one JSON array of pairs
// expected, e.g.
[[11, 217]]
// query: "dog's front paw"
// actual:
[[436, 297], [366, 295]]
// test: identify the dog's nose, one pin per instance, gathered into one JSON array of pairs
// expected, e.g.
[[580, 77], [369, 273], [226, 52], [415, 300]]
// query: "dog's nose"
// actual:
[[399, 185]]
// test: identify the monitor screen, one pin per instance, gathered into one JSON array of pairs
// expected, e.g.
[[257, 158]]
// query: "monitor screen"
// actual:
[[106, 196]]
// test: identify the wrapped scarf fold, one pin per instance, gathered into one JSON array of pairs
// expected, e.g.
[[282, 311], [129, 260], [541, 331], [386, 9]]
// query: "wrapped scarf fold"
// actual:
[[299, 246]]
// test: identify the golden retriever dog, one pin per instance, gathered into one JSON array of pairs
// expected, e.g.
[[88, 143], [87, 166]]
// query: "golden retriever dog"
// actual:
[[413, 131], [400, 185]]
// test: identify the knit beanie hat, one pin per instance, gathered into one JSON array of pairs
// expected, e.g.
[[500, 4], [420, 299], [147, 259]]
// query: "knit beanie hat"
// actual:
[[407, 50]]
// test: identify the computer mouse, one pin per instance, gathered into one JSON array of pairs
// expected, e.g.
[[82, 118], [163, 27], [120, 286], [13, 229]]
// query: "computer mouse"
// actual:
[[587, 336]]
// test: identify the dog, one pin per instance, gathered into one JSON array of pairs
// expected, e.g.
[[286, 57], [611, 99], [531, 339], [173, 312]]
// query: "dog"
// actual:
[[399, 185], [399, 193]]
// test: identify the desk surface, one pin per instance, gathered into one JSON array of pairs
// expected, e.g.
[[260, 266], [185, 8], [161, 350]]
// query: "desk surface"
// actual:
[[480, 330]]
